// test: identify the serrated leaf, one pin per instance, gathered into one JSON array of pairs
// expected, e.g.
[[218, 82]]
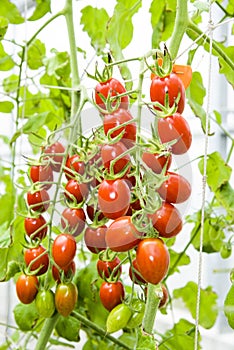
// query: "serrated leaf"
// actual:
[[26, 316], [10, 83], [6, 106], [11, 12], [229, 306], [68, 328], [177, 259], [42, 8], [208, 303], [6, 62], [58, 65], [36, 53]]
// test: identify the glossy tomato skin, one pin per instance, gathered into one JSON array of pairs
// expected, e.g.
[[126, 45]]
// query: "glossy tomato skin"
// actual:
[[170, 84], [27, 288], [111, 294], [54, 153], [118, 318], [66, 296], [94, 213], [122, 235], [64, 249], [42, 174], [38, 201], [42, 257], [111, 87], [175, 127], [34, 224], [114, 198], [66, 272], [156, 161], [116, 119], [176, 189], [45, 303], [95, 238], [73, 220], [76, 191], [152, 259], [111, 152], [75, 164], [167, 220], [134, 273], [105, 268]]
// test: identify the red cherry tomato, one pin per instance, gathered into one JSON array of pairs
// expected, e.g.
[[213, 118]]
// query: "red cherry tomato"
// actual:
[[73, 220], [175, 127], [27, 288], [111, 152], [165, 297], [156, 161], [114, 198], [105, 268], [36, 227], [55, 153], [176, 189], [38, 201], [122, 235], [64, 249], [76, 191], [76, 166], [66, 296], [94, 213], [42, 174], [134, 273], [111, 87], [95, 238], [111, 294], [41, 259], [152, 259], [65, 272]]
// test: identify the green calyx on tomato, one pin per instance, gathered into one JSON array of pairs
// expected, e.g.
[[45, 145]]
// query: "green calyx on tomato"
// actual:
[[118, 318], [138, 309]]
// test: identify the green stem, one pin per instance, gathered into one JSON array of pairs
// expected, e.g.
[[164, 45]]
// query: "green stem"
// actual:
[[153, 299], [181, 23], [46, 331], [99, 330]]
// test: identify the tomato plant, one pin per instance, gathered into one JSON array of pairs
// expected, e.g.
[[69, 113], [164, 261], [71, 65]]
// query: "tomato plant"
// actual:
[[176, 189], [95, 239], [37, 259], [75, 165], [42, 174], [118, 318], [45, 303], [64, 272], [35, 227], [73, 220], [110, 88], [105, 268], [27, 288], [110, 152], [111, 294], [38, 201], [66, 295], [55, 153], [64, 249]]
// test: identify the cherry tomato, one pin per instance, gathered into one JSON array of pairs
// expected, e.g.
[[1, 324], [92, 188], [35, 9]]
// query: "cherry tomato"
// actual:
[[38, 201], [66, 296], [111, 152], [118, 318], [66, 272], [36, 227], [170, 85], [42, 174], [116, 119], [95, 238], [122, 235], [105, 268], [42, 259], [157, 161], [135, 274], [111, 294], [176, 189], [226, 250], [45, 303], [152, 259], [76, 191], [111, 87], [138, 310], [165, 297], [94, 213], [184, 72], [27, 288], [175, 127], [64, 249], [76, 166], [55, 153], [114, 198], [73, 220], [167, 220]]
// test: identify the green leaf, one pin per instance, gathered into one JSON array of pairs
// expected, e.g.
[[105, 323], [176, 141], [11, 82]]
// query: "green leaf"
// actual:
[[36, 53], [6, 200], [208, 303], [26, 316], [68, 328], [218, 117], [224, 67], [225, 197], [230, 7], [3, 26], [59, 66], [229, 306], [218, 172], [94, 21], [145, 341], [10, 83], [42, 8], [6, 106], [177, 259], [11, 12], [6, 62], [201, 6]]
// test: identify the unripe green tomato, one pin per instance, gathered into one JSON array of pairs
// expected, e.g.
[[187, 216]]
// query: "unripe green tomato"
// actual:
[[118, 318], [66, 296], [138, 309], [232, 276], [45, 303], [226, 250]]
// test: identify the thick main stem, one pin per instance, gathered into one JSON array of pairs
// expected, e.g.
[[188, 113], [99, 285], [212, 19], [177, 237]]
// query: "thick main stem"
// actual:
[[153, 298], [46, 331]]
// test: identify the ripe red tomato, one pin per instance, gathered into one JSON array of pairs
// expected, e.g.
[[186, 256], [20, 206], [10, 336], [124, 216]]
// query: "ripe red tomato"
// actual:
[[170, 85], [73, 220], [76, 166], [167, 220], [27, 288], [36, 227], [95, 238], [176, 189], [116, 119], [55, 153], [152, 259], [111, 152], [114, 198], [94, 213], [64, 249], [65, 272], [175, 127], [122, 235], [76, 191], [111, 87], [38, 201], [157, 161], [66, 296], [111, 294], [42, 174], [165, 297], [105, 268], [134, 273], [42, 259]]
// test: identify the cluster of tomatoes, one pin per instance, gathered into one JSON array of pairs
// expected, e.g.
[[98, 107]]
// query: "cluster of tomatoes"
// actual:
[[120, 194]]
